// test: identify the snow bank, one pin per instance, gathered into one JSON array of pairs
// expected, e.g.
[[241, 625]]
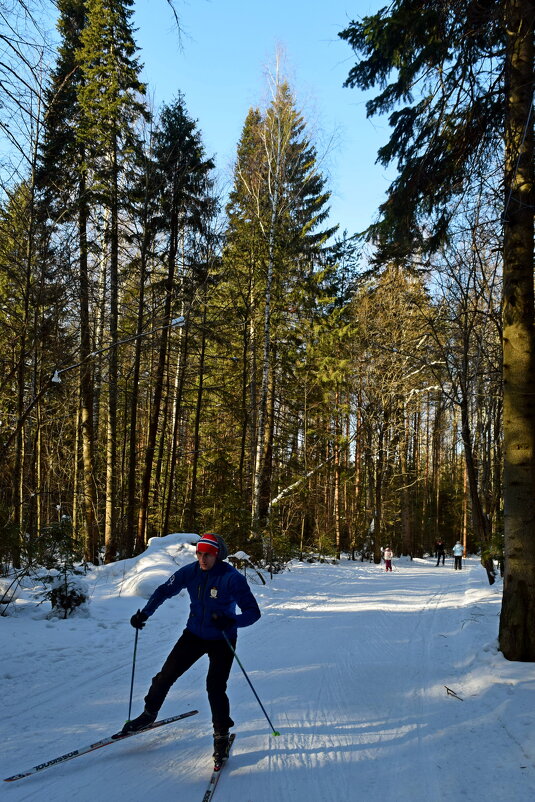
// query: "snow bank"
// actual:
[[140, 576], [8, 592]]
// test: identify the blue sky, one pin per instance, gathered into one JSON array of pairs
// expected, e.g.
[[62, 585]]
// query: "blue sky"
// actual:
[[220, 66]]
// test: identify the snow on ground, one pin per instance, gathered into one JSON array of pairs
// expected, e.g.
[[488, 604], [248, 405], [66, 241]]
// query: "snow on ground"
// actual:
[[352, 665]]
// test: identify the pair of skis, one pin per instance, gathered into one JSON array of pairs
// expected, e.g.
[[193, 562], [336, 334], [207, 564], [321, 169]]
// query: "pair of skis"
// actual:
[[119, 736]]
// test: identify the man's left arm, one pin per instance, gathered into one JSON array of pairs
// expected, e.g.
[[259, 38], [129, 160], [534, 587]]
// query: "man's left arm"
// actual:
[[250, 611]]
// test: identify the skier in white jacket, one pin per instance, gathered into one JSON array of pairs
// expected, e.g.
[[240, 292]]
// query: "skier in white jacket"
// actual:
[[458, 552]]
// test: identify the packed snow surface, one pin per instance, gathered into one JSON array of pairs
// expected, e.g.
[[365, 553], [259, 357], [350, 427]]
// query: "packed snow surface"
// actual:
[[384, 687]]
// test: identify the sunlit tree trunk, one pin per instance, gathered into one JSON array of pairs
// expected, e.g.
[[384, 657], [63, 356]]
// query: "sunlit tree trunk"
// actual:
[[517, 621], [191, 521]]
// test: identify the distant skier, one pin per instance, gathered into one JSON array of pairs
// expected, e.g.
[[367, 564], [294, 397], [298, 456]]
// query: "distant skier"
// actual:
[[388, 554], [458, 552], [441, 551], [214, 587]]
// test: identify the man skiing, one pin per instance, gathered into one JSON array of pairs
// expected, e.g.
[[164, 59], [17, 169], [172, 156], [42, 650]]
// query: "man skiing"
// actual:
[[440, 551], [214, 587]]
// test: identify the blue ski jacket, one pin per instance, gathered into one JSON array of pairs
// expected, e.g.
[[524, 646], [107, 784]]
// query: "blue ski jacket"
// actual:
[[216, 591]]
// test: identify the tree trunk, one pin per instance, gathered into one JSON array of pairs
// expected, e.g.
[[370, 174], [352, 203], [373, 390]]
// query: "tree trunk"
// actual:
[[127, 545], [407, 544], [86, 391], [517, 621], [256, 515], [245, 415], [378, 499], [267, 454], [275, 167], [191, 522], [337, 473], [479, 521], [158, 390], [177, 412]]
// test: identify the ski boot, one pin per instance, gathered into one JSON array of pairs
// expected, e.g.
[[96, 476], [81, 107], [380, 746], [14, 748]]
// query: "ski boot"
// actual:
[[144, 720], [221, 748]]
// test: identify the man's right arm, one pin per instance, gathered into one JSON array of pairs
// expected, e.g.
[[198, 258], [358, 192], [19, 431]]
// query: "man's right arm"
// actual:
[[172, 587]]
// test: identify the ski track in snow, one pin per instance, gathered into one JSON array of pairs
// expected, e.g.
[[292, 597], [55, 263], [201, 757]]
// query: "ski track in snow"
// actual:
[[351, 664]]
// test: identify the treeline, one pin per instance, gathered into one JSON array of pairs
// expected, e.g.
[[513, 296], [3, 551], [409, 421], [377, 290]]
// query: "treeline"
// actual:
[[173, 363]]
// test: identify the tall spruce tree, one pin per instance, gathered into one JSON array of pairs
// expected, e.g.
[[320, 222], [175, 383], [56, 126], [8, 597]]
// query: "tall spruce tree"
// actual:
[[63, 182], [111, 103], [274, 243], [185, 204], [464, 71]]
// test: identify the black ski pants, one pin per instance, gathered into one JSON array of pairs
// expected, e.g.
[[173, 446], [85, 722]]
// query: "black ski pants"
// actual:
[[458, 563], [186, 651]]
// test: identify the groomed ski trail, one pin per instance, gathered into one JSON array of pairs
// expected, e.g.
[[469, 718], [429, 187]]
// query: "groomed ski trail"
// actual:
[[350, 663], [362, 705], [362, 686]]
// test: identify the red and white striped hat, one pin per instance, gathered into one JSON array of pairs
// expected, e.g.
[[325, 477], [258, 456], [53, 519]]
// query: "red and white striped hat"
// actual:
[[208, 543]]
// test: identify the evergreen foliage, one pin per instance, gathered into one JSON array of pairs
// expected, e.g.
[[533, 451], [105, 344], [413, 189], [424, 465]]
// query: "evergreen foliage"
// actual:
[[57, 550], [271, 260], [442, 65], [110, 93]]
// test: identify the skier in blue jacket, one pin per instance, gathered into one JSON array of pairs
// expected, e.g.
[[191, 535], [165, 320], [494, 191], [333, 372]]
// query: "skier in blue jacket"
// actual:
[[214, 587]]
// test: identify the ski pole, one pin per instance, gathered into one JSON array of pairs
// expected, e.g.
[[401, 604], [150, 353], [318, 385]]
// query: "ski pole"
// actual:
[[132, 680], [233, 650]]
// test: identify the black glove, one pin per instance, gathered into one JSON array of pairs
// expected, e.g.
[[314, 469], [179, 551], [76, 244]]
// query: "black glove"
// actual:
[[138, 620], [223, 622]]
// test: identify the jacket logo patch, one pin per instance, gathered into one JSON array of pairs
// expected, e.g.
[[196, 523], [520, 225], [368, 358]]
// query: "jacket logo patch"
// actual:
[[213, 593]]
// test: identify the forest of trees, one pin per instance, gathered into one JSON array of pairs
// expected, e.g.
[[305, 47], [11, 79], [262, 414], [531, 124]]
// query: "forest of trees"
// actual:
[[176, 361]]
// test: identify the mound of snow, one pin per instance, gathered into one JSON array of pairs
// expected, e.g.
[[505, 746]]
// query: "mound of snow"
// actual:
[[240, 555], [162, 557], [8, 591]]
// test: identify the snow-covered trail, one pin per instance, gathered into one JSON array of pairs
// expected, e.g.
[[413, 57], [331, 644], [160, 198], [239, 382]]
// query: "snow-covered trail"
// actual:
[[351, 664], [363, 691]]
